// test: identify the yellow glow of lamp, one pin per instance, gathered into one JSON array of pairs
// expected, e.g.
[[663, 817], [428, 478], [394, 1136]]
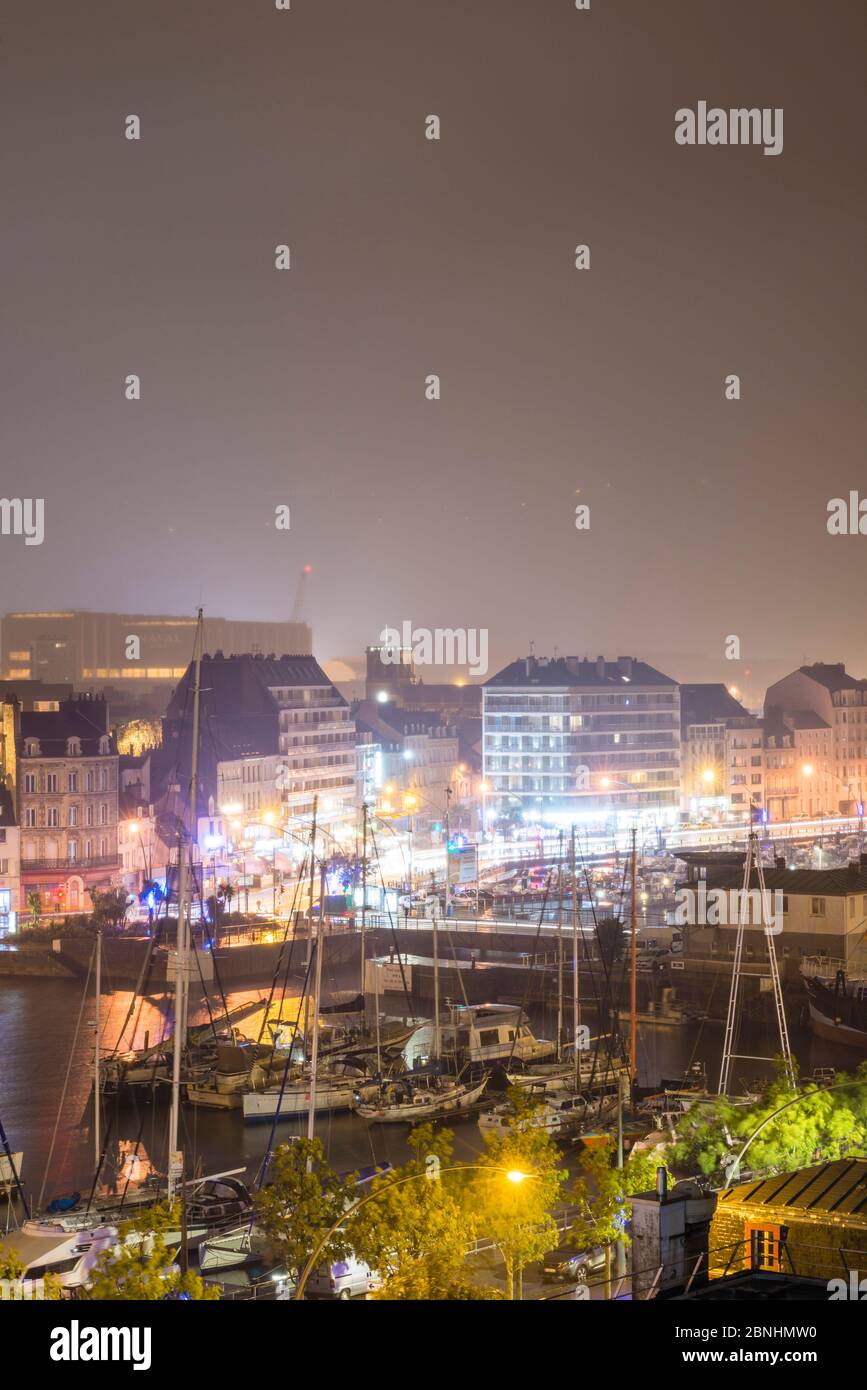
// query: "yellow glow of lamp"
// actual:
[[807, 769], [515, 1175]]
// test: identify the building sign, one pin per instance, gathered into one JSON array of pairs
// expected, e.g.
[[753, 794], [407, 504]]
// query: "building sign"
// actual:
[[393, 978], [463, 863]]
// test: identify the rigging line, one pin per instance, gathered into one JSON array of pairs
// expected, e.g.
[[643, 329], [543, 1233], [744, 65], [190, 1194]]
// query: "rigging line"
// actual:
[[372, 833], [607, 1003], [603, 1018], [133, 1156], [137, 991], [279, 962], [101, 1162], [458, 970], [530, 971], [285, 985], [266, 1159], [66, 1078]]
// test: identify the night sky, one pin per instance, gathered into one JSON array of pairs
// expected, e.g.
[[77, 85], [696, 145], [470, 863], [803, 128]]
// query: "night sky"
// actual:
[[456, 257]]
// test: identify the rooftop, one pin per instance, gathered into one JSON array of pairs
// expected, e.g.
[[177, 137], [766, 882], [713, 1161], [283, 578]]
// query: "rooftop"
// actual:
[[576, 672], [835, 1189]]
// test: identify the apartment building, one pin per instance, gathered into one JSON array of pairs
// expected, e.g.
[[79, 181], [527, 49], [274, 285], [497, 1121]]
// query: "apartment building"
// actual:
[[65, 781], [722, 759], [573, 739], [832, 772], [275, 733], [419, 759]]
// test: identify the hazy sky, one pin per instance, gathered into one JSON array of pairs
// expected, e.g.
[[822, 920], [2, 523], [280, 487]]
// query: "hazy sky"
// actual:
[[409, 257]]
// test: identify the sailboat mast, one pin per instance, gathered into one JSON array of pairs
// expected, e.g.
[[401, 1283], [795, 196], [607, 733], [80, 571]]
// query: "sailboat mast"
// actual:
[[317, 988], [363, 898], [576, 1003], [96, 1052], [182, 981], [633, 972], [560, 953], [436, 975]]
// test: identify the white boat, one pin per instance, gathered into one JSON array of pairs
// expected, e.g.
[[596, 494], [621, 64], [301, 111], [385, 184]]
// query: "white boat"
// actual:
[[331, 1093], [486, 1033], [560, 1115], [231, 1248], [552, 1077], [52, 1248], [409, 1100]]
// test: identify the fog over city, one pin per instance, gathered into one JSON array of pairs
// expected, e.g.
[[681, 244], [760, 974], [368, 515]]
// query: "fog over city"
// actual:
[[433, 675]]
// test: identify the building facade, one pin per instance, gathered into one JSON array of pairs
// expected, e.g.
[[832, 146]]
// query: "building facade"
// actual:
[[66, 789], [839, 784], [567, 739], [722, 756], [91, 649]]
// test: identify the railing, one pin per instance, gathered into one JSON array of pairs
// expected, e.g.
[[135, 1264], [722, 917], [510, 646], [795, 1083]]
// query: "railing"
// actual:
[[110, 861]]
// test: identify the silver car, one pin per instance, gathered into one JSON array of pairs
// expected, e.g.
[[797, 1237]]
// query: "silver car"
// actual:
[[344, 1279]]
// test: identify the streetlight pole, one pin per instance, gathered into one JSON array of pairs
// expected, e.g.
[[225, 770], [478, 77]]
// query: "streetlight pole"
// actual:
[[513, 1175]]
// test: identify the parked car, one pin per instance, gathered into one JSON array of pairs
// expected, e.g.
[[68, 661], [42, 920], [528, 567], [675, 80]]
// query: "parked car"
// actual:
[[344, 1279], [565, 1263]]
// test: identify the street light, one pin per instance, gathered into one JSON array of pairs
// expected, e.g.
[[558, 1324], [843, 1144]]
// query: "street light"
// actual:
[[513, 1175]]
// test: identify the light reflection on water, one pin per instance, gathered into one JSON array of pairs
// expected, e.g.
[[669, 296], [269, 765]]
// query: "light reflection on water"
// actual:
[[37, 1026]]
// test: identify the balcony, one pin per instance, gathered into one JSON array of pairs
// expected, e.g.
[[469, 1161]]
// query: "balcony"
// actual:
[[109, 861]]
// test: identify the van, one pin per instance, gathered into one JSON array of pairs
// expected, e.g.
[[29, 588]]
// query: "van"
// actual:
[[344, 1279]]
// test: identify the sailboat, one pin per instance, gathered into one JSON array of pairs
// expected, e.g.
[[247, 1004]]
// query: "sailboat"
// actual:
[[414, 1097]]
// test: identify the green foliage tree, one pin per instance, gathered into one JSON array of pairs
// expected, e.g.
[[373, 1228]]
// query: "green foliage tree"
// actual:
[[601, 1193], [415, 1230], [517, 1216], [34, 902], [12, 1268], [303, 1198], [142, 1266], [824, 1124]]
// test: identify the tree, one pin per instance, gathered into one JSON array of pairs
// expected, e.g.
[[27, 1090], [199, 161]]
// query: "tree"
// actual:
[[141, 1266], [601, 1195], [517, 1215], [415, 1230], [823, 1124], [609, 934], [109, 907], [34, 902], [13, 1269], [302, 1200]]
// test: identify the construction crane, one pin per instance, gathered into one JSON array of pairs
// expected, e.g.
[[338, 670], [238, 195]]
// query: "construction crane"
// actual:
[[299, 593]]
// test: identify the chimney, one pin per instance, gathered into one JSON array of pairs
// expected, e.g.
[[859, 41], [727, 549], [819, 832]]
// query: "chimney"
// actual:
[[624, 665], [600, 667]]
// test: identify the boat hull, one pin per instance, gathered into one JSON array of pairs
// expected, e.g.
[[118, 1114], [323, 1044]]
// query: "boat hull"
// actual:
[[423, 1109], [263, 1105], [838, 1017]]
